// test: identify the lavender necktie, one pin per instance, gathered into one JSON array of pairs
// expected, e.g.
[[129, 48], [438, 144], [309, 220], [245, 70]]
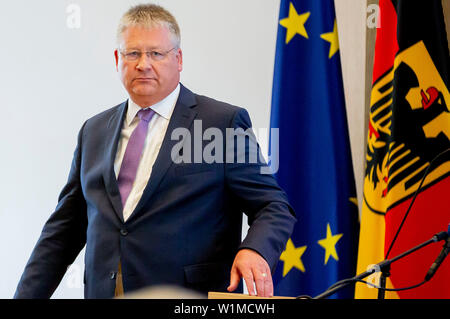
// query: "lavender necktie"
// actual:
[[133, 152]]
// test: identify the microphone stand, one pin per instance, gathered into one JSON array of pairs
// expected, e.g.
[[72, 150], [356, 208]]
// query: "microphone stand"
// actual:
[[384, 267]]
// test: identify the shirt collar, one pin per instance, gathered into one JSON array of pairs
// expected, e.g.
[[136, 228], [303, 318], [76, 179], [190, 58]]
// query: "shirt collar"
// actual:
[[163, 108]]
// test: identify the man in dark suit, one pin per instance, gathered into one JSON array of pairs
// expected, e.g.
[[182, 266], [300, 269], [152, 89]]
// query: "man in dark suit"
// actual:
[[145, 216]]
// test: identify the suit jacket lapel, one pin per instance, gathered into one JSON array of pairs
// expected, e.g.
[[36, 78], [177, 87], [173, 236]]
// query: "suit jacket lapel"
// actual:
[[113, 130], [182, 117]]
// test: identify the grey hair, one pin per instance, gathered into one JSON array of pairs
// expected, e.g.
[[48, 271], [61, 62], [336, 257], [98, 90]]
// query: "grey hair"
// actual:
[[151, 16]]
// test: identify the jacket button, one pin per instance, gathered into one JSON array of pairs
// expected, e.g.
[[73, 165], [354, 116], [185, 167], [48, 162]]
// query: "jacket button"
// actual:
[[123, 232], [112, 275]]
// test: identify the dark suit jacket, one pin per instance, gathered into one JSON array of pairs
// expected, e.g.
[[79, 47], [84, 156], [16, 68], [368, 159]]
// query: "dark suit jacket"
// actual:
[[186, 229]]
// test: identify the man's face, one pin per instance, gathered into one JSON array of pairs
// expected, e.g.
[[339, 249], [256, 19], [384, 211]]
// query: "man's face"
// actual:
[[148, 80]]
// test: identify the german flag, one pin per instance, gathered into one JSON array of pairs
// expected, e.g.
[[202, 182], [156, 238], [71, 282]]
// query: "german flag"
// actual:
[[409, 133]]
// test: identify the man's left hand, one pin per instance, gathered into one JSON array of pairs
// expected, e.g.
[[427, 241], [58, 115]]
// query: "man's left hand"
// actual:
[[253, 268]]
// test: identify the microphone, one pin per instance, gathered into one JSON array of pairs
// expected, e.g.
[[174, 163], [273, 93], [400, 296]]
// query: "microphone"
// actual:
[[444, 252]]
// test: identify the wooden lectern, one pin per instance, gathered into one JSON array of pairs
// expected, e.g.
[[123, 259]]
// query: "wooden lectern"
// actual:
[[226, 295]]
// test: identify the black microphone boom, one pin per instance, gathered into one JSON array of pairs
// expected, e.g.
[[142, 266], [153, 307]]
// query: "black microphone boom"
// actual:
[[444, 252], [386, 264]]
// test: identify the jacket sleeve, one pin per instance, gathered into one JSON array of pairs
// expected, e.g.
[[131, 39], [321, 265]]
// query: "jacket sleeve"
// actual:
[[270, 216], [61, 240]]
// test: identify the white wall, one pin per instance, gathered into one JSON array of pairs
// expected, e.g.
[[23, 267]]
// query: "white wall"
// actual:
[[356, 69]]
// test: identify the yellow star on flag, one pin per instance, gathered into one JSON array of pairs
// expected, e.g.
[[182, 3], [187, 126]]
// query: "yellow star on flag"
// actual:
[[329, 244], [295, 23], [332, 37], [291, 257]]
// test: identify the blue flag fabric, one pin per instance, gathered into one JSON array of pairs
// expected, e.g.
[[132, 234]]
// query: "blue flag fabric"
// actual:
[[315, 167]]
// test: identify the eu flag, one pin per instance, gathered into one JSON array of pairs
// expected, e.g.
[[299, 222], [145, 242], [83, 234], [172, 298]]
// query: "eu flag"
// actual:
[[314, 158]]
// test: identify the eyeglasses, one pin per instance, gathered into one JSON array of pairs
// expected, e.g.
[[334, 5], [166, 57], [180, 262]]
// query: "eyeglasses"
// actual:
[[135, 55]]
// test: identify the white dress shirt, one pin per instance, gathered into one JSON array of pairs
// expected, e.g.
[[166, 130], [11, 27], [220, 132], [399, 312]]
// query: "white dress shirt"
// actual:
[[155, 135]]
